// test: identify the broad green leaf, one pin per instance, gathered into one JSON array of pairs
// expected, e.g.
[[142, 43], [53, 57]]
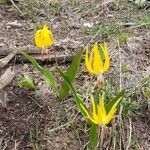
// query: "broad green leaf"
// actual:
[[49, 78], [93, 136], [27, 82], [71, 74], [78, 100], [111, 103]]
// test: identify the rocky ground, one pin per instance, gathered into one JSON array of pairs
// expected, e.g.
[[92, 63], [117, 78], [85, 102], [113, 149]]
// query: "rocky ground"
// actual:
[[38, 120]]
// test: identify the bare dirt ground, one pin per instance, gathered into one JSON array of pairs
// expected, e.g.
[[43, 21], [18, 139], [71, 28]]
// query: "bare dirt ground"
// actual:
[[38, 120]]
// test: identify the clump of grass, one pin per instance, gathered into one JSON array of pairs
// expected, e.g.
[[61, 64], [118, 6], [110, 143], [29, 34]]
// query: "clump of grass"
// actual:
[[105, 29]]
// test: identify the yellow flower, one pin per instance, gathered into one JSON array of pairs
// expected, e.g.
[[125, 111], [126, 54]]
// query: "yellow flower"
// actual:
[[99, 115], [43, 37], [94, 62]]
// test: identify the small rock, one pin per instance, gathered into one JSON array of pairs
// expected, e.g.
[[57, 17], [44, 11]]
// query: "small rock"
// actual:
[[2, 44], [25, 66], [14, 24], [88, 24]]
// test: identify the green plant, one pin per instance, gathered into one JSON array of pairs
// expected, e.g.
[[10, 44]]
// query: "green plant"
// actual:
[[27, 81], [50, 78], [81, 106]]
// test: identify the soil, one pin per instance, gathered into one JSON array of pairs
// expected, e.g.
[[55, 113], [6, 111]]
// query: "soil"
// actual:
[[38, 120]]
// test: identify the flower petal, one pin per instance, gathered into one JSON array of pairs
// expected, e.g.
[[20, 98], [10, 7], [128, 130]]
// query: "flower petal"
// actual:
[[48, 38], [44, 37], [87, 115], [38, 39], [88, 61], [94, 109], [97, 62], [102, 106]]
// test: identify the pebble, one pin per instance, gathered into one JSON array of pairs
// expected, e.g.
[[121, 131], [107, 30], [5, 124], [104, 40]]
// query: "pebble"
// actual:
[[14, 24], [2, 44]]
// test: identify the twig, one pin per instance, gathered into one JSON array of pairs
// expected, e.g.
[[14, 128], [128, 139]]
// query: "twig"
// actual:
[[140, 25], [130, 135], [4, 61], [120, 65], [132, 25], [121, 130], [6, 78], [3, 98], [102, 138], [114, 139], [59, 127], [16, 7], [51, 58]]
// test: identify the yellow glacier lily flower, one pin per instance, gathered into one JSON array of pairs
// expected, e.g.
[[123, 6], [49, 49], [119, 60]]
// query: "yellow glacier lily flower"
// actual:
[[43, 37], [99, 115], [94, 62]]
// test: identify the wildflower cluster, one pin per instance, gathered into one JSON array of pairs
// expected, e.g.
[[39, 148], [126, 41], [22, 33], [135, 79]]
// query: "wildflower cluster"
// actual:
[[97, 63]]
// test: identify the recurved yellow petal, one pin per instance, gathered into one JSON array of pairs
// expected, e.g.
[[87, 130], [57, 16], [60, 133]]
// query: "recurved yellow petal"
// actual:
[[97, 62], [95, 117], [88, 61], [87, 114], [101, 110], [37, 38], [43, 37]]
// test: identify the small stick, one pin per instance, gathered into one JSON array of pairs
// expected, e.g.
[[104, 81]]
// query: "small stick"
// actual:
[[16, 7], [6, 78], [50, 58], [4, 61], [102, 137], [130, 135]]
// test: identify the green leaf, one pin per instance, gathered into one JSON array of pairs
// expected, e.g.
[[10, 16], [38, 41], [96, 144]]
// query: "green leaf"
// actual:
[[109, 105], [77, 98], [93, 136], [49, 78], [32, 60], [101, 53], [27, 82], [71, 74]]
